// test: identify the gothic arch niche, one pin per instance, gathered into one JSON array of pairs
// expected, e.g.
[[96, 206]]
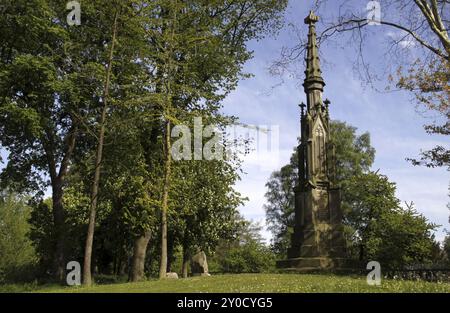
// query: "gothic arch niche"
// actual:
[[319, 150]]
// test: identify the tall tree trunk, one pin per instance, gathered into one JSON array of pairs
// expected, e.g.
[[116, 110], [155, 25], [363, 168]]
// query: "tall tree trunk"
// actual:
[[123, 267], [57, 182], [139, 252], [164, 206], [170, 253], [87, 277], [168, 157], [361, 251], [185, 265], [59, 222]]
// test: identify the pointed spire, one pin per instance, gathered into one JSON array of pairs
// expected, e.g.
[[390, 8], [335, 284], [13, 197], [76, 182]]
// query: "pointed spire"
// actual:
[[313, 80]]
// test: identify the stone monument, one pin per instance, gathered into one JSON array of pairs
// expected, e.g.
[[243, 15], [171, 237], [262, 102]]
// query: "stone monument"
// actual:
[[317, 242]]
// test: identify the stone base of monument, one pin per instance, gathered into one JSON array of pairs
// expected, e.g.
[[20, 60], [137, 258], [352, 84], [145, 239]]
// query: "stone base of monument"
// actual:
[[319, 264]]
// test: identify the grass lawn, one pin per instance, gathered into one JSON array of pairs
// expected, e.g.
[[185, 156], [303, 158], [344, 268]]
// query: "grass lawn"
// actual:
[[259, 283]]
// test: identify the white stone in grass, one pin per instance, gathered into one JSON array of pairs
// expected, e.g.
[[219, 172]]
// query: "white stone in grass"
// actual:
[[172, 275]]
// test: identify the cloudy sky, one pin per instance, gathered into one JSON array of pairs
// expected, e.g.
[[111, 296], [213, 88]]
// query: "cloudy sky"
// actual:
[[396, 127]]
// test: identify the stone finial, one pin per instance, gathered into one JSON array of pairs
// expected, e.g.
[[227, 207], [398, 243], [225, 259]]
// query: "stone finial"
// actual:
[[302, 108], [311, 18]]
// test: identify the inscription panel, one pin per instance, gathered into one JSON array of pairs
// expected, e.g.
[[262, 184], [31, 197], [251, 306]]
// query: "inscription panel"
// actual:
[[323, 214], [322, 205]]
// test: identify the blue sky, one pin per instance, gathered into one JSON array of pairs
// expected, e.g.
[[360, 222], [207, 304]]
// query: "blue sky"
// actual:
[[395, 126]]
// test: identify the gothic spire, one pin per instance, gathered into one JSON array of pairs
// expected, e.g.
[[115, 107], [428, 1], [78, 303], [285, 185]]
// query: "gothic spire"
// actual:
[[313, 79]]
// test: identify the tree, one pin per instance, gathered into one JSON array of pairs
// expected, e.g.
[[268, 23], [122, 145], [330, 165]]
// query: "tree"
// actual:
[[384, 231], [246, 252], [129, 192], [42, 235], [204, 205], [134, 184], [200, 51], [401, 238], [354, 155], [87, 279], [124, 47], [447, 247], [280, 205], [429, 83], [41, 98], [76, 202], [16, 252], [371, 196]]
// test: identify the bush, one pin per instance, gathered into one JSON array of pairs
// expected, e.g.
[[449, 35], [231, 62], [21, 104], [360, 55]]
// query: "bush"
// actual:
[[249, 258], [17, 256]]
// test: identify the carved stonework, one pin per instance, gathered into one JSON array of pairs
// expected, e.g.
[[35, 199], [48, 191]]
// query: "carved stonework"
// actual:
[[317, 241]]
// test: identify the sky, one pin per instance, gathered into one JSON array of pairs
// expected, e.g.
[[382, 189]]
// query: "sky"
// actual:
[[391, 118]]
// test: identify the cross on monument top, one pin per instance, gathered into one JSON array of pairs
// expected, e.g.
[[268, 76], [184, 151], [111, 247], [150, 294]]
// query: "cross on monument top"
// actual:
[[311, 18]]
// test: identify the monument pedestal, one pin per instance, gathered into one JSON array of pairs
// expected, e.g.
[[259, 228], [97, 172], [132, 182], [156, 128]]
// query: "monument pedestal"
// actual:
[[317, 243], [316, 264]]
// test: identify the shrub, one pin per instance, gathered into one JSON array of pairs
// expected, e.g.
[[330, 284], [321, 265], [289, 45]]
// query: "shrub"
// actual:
[[17, 256], [251, 257]]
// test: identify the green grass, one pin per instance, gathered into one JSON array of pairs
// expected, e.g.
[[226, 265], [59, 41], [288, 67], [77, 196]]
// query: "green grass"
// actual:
[[258, 283]]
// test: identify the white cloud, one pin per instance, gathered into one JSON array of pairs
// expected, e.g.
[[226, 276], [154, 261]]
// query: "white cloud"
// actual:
[[403, 39]]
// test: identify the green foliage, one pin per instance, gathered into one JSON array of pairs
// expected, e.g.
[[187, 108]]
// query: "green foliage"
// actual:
[[204, 203], [280, 205], [248, 258], [354, 153], [246, 253], [447, 247], [41, 91], [17, 256], [383, 231], [371, 196], [400, 238], [42, 233]]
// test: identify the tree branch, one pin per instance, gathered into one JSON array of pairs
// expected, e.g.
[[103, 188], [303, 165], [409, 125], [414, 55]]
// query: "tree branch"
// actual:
[[70, 144], [435, 22], [363, 22]]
